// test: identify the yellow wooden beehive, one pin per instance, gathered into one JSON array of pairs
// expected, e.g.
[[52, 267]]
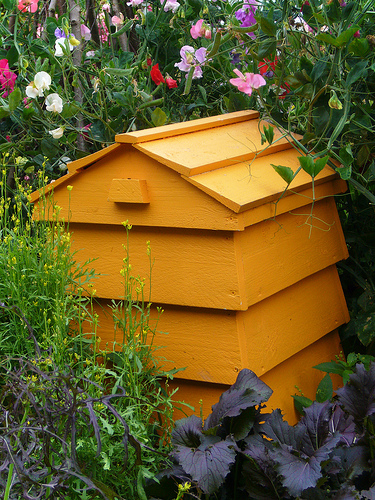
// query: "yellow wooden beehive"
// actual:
[[244, 271]]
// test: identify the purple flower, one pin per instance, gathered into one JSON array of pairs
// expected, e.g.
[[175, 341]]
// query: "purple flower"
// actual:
[[236, 58], [246, 16], [192, 58], [60, 33]]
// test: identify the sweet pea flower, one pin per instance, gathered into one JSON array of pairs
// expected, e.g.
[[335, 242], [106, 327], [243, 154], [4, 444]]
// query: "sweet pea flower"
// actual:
[[172, 5], [42, 82], [246, 16], [28, 5], [200, 29], [171, 84], [156, 75], [59, 44], [57, 133], [106, 7], [7, 77], [54, 103], [192, 58], [134, 3], [85, 32], [118, 21], [247, 82]]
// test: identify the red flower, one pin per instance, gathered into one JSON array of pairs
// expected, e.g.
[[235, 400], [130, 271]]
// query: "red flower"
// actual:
[[265, 66], [171, 83], [156, 75], [149, 61]]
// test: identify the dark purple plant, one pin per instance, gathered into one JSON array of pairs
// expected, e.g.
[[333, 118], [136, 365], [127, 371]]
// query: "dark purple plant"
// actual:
[[241, 453]]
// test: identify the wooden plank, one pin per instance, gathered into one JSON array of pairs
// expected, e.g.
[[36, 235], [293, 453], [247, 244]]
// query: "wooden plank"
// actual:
[[174, 129], [290, 203], [243, 186], [283, 379], [128, 191], [275, 254], [192, 268], [214, 345], [211, 149], [285, 323], [217, 269]]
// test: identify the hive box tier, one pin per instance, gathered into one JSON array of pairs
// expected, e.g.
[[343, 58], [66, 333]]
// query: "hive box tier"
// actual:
[[216, 269], [243, 265]]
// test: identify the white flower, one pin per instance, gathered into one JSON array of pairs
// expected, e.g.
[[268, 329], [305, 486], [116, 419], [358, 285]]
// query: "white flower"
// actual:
[[32, 91], [59, 44], [57, 132], [42, 81], [172, 5], [54, 103]]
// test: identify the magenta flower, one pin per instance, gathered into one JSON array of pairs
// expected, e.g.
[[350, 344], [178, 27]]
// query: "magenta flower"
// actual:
[[246, 16], [7, 77], [247, 82], [200, 29]]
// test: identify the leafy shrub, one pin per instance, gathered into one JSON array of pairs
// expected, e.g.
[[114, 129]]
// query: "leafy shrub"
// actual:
[[240, 452]]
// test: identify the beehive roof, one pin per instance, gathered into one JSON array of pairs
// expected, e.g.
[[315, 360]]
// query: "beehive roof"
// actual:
[[221, 155]]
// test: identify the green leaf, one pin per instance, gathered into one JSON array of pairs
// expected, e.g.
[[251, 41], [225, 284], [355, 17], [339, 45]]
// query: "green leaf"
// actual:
[[158, 117], [346, 155], [269, 133], [357, 71], [14, 99], [266, 48], [286, 173], [324, 391], [312, 167], [301, 402], [123, 72], [359, 47], [339, 41], [4, 112], [48, 148], [9, 4], [331, 367], [268, 26], [345, 172]]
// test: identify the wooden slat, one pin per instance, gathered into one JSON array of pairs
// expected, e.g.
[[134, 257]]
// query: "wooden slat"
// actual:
[[174, 129], [283, 379], [275, 254], [210, 149], [128, 191], [244, 186], [215, 345]]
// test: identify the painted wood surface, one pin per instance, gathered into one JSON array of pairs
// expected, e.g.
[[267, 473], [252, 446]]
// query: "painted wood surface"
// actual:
[[217, 269], [283, 379], [174, 129], [214, 345], [128, 191]]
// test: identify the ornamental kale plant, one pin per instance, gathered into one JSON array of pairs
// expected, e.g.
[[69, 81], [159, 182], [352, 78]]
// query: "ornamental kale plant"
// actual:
[[240, 452]]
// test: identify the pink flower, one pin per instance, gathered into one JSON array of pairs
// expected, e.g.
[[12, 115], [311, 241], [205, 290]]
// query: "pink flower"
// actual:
[[172, 5], [117, 21], [28, 5], [357, 34], [85, 32], [192, 58], [200, 29], [247, 82], [7, 77]]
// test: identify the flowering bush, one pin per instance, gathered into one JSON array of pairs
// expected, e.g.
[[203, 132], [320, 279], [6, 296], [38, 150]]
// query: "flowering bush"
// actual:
[[72, 77]]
